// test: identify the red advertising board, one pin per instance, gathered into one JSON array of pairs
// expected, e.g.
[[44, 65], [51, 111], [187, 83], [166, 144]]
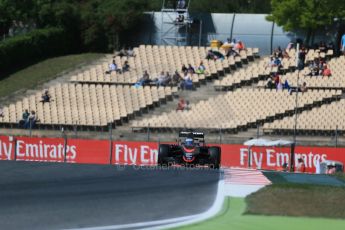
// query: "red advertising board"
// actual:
[[90, 151], [273, 158], [7, 146], [43, 149], [135, 153], [146, 153]]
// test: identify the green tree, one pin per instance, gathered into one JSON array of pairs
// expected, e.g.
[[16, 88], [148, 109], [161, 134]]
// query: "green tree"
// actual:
[[306, 15], [119, 17], [106, 23]]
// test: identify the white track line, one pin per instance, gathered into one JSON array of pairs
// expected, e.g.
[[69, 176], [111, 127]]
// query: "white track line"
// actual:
[[211, 212], [173, 222]]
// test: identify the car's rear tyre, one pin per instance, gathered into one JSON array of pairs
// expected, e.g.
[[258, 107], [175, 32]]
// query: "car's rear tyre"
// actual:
[[215, 155], [163, 154]]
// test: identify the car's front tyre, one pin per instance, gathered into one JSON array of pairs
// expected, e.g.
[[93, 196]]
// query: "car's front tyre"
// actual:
[[163, 154]]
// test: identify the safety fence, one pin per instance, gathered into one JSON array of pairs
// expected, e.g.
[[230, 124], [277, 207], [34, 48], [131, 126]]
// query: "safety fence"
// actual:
[[146, 153]]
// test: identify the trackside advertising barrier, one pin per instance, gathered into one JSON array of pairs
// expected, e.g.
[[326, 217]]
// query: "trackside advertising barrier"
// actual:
[[146, 153]]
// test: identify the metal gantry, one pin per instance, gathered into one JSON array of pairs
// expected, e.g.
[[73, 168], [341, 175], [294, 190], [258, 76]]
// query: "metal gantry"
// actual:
[[175, 22]]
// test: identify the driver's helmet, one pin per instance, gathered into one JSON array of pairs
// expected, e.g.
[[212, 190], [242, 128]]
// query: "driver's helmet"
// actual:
[[189, 141]]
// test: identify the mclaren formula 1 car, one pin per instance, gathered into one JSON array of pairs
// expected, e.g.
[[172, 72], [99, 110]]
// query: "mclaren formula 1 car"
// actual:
[[190, 150]]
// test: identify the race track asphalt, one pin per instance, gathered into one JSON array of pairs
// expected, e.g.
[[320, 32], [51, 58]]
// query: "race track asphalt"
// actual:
[[61, 196]]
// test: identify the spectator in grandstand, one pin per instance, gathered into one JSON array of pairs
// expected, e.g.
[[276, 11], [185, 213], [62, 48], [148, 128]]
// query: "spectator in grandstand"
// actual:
[[122, 52], [313, 68], [301, 57], [270, 84], [113, 68], [278, 52], [227, 42], [201, 68], [125, 67], [161, 79], [300, 167], [184, 68], [270, 62], [214, 55], [302, 88], [231, 52], [31, 121], [191, 68], [326, 71], [239, 46], [187, 82], [25, 117], [144, 80], [176, 78], [181, 105], [277, 62], [233, 42], [167, 79], [130, 52], [45, 96], [279, 85], [342, 44], [276, 79], [286, 85]]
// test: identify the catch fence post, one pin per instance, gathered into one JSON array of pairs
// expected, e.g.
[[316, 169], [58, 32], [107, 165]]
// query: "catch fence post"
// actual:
[[336, 136], [15, 149], [64, 136], [75, 127], [220, 135], [148, 132], [30, 127], [110, 143]]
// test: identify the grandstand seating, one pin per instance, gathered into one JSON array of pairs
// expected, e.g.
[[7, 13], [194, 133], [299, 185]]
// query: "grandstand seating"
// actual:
[[237, 110], [155, 59], [253, 73], [336, 81], [320, 120], [87, 105], [95, 99], [261, 71]]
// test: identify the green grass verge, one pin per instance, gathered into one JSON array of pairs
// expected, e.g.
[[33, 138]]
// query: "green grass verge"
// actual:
[[232, 218], [340, 176], [41, 72], [298, 200]]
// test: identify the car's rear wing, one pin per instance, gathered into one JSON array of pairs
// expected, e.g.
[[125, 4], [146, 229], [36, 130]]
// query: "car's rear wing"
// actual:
[[193, 134]]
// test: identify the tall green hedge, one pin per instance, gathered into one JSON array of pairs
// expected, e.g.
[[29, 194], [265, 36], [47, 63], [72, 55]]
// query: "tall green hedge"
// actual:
[[24, 50]]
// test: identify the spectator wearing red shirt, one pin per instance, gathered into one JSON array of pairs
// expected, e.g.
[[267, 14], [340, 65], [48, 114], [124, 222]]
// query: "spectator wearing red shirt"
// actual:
[[326, 71], [300, 167], [181, 105]]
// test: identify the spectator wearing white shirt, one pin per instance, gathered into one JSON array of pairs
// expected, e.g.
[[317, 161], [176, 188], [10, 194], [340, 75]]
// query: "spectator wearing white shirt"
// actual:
[[113, 68]]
